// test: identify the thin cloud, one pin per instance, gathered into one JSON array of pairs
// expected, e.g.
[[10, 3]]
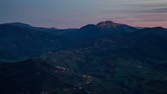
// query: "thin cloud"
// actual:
[[159, 10], [153, 10]]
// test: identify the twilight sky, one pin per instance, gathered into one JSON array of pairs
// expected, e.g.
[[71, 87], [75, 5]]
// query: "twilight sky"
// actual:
[[76, 13]]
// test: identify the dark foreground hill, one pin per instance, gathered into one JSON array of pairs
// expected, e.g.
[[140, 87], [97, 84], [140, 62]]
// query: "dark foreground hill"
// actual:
[[101, 63]]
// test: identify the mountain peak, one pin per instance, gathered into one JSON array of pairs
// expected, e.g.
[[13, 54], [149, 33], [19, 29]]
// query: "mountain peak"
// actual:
[[89, 27], [107, 24], [18, 24], [154, 29]]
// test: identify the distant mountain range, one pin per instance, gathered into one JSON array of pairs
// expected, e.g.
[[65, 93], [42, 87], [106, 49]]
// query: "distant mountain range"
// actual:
[[106, 58], [20, 40]]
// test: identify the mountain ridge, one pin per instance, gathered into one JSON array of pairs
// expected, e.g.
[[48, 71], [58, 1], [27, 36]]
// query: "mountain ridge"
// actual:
[[24, 40], [97, 24]]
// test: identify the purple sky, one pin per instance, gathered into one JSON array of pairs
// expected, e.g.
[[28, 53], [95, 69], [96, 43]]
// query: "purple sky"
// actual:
[[76, 13]]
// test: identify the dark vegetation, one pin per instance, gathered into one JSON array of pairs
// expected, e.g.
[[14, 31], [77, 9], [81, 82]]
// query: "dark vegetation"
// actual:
[[107, 58]]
